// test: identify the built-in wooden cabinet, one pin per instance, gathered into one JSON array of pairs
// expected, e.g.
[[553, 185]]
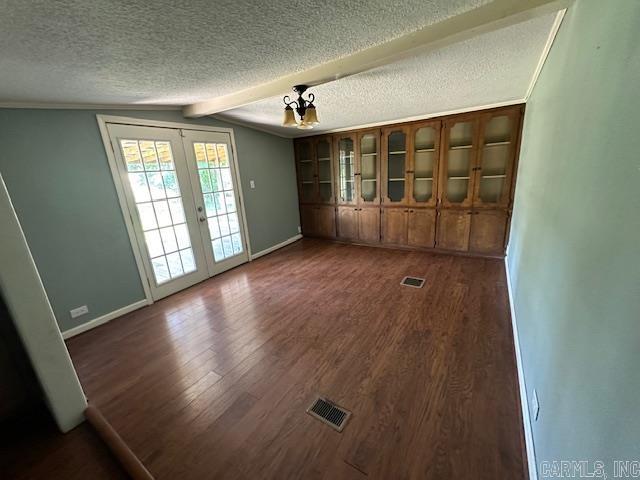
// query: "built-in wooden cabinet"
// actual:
[[358, 224], [368, 165], [442, 183], [421, 227], [318, 220], [395, 163]]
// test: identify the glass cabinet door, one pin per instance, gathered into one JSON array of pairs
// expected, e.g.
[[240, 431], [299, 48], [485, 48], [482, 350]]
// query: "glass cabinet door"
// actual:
[[306, 172], [369, 162], [459, 162], [346, 170], [395, 165], [495, 159], [323, 157], [424, 168]]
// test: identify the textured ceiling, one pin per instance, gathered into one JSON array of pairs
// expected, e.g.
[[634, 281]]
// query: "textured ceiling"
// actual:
[[176, 52], [492, 68]]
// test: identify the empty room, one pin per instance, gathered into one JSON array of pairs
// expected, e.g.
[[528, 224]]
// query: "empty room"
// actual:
[[319, 240]]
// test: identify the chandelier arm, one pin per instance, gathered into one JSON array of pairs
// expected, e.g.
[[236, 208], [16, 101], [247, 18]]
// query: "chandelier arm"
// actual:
[[312, 97], [288, 102]]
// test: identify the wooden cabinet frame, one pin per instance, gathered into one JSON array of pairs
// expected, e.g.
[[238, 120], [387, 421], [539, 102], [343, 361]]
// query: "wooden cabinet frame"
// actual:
[[359, 161], [505, 197], [412, 153], [471, 227], [384, 164], [318, 161], [445, 160], [336, 170]]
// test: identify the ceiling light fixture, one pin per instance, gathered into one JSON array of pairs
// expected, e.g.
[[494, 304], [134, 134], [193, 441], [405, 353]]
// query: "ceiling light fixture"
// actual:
[[305, 108]]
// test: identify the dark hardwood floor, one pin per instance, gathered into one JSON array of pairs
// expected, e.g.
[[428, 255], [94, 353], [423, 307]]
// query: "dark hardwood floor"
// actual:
[[214, 381]]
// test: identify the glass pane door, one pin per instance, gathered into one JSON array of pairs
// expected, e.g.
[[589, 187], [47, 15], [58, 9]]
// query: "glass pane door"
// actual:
[[346, 170], [369, 167], [155, 178], [213, 174], [495, 159], [306, 171], [396, 165], [323, 156], [460, 160], [424, 158]]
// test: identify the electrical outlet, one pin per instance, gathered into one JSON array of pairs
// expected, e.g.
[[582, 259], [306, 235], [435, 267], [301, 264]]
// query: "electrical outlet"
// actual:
[[299, 229], [535, 405], [76, 312], [252, 184]]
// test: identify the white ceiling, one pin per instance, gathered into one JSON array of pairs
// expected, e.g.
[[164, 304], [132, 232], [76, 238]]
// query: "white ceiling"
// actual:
[[490, 69], [177, 52]]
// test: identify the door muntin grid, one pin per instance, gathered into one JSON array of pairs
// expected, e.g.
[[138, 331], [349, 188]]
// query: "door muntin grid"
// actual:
[[156, 191], [216, 183]]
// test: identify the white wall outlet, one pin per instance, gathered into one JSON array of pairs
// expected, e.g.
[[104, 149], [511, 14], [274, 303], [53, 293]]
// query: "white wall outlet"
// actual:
[[535, 405], [299, 229], [76, 312], [252, 184]]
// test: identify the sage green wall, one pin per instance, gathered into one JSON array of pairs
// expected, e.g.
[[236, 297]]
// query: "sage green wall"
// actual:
[[57, 173], [574, 253]]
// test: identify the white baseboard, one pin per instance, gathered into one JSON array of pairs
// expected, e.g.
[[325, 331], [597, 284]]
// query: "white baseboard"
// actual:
[[96, 322], [524, 399], [276, 247]]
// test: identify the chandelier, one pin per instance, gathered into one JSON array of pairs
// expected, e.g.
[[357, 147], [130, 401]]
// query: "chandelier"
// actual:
[[305, 108]]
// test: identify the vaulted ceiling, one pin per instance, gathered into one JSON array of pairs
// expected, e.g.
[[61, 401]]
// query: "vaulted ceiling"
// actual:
[[175, 53]]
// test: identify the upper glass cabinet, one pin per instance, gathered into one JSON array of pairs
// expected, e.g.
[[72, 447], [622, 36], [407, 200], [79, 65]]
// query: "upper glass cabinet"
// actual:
[[346, 170], [396, 163], [306, 171], [495, 160], [369, 163], [323, 156], [459, 162], [425, 159]]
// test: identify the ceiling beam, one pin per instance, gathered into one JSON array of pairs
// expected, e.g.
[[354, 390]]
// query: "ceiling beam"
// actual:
[[492, 16]]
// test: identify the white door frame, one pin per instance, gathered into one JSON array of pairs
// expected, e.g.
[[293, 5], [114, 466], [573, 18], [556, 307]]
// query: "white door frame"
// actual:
[[103, 120]]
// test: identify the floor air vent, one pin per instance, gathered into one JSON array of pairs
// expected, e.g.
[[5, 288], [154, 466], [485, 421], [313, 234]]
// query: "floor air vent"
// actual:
[[412, 282], [328, 412]]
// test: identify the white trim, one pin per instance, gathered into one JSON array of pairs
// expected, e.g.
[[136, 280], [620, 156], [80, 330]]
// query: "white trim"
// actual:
[[524, 399], [87, 106], [246, 124], [124, 208], [236, 166], [266, 251], [423, 117], [486, 18], [143, 122], [96, 322], [545, 52], [103, 120]]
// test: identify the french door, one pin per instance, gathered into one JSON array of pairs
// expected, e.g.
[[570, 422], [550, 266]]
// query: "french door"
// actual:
[[182, 195]]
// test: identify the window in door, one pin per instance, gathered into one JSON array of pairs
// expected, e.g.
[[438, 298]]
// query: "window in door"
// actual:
[[216, 183], [152, 175]]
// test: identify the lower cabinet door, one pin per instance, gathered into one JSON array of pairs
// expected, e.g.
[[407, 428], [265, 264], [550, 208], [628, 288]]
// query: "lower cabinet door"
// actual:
[[369, 224], [325, 221], [421, 228], [307, 220], [453, 229], [488, 231], [348, 223], [394, 226]]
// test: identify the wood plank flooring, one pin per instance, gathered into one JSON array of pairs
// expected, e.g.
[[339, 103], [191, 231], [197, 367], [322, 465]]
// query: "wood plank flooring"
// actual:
[[214, 381]]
